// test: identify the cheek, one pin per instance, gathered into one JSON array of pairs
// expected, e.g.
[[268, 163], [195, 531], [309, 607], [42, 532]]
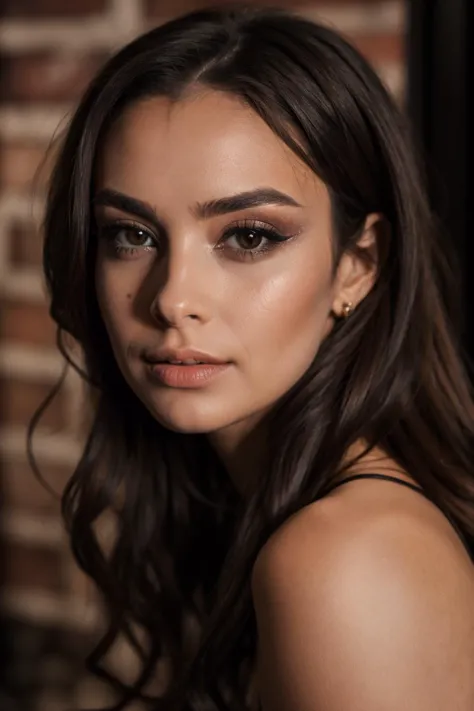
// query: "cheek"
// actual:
[[291, 316], [115, 291]]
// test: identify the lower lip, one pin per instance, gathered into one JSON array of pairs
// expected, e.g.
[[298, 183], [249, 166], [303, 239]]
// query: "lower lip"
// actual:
[[186, 376]]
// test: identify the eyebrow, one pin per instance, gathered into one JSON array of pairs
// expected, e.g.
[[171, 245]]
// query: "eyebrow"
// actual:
[[204, 210]]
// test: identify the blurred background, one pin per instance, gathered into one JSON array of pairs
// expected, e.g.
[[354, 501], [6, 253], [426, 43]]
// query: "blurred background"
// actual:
[[49, 51]]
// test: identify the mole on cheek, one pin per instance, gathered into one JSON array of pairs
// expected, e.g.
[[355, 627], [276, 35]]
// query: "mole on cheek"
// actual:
[[129, 296]]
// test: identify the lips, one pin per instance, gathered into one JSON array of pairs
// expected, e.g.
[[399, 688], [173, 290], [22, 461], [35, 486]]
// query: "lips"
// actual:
[[185, 357], [185, 362], [185, 376]]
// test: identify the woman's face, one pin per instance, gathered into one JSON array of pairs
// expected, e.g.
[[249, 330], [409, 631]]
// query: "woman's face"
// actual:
[[214, 237]]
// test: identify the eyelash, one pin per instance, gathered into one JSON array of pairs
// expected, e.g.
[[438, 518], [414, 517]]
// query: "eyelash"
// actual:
[[265, 231]]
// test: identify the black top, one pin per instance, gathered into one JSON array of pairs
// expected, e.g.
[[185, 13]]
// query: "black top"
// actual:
[[411, 486]]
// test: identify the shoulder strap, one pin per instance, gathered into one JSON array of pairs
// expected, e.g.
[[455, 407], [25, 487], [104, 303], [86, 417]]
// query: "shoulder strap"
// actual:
[[376, 476]]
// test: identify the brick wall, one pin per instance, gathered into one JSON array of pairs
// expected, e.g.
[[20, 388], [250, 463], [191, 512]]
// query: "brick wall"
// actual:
[[49, 51]]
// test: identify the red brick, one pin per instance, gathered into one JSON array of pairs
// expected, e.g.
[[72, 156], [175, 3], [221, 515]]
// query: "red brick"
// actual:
[[26, 323], [171, 8], [48, 8], [19, 400], [157, 9], [46, 76], [380, 48], [25, 244], [28, 566], [80, 584], [24, 165], [22, 491]]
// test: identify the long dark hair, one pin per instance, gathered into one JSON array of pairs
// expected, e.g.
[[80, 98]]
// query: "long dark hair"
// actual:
[[185, 543]]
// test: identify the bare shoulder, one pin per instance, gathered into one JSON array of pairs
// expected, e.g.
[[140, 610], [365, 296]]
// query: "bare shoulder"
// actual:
[[364, 600]]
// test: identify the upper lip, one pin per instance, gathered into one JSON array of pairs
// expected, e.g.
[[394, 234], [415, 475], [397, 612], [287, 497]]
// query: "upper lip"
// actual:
[[163, 355]]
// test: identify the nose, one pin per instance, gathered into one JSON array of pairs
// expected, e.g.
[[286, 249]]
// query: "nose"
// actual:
[[184, 291]]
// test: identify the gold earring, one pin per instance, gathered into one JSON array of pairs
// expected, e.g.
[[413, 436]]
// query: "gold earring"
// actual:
[[347, 309]]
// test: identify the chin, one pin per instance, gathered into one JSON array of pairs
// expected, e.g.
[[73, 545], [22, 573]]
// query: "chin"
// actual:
[[186, 421]]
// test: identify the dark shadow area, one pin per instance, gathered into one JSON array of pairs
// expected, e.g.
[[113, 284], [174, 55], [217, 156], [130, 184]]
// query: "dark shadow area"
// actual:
[[37, 661], [438, 80]]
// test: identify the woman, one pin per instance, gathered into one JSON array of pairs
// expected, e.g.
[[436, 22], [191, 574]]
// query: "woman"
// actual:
[[238, 238]]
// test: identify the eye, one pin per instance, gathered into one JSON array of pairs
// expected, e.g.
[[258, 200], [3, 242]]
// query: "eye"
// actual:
[[127, 238], [248, 240]]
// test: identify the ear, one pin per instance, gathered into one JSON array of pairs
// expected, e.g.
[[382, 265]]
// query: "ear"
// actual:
[[357, 269]]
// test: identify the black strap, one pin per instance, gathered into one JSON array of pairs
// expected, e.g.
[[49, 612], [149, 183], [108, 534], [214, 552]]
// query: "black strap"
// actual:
[[376, 476]]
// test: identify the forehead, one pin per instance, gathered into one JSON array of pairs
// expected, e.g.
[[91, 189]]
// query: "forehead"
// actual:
[[210, 143]]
